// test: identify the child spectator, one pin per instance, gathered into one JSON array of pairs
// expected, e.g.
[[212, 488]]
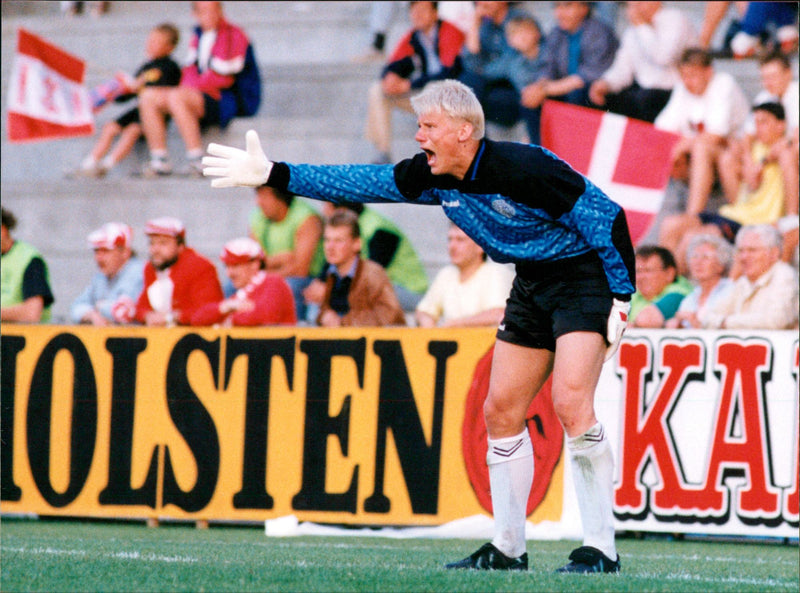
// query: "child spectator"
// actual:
[[159, 71], [261, 298], [218, 53]]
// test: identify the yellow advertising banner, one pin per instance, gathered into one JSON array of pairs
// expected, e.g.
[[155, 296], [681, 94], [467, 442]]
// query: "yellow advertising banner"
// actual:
[[354, 426]]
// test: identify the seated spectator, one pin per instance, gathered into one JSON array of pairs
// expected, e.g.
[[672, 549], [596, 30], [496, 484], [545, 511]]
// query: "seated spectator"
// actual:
[[160, 71], [429, 51], [753, 185], [765, 295], [707, 109], [485, 55], [659, 288], [525, 36], [25, 284], [357, 291], [261, 298], [576, 52], [177, 280], [290, 232], [645, 68], [757, 26], [471, 291], [114, 288], [710, 259], [383, 242], [219, 52]]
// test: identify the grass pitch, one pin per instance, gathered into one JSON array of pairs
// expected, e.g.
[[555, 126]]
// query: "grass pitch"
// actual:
[[44, 555]]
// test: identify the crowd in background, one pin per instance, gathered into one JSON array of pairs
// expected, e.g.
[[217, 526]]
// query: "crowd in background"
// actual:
[[723, 252]]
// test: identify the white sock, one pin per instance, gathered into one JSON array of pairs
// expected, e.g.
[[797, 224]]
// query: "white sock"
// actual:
[[194, 154], [88, 163], [108, 163], [158, 155], [593, 475], [510, 463]]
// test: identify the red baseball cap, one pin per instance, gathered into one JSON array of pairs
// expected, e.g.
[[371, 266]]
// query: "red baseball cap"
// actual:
[[111, 235], [241, 250]]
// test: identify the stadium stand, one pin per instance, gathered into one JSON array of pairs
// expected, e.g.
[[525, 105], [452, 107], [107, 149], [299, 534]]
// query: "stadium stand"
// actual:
[[313, 109]]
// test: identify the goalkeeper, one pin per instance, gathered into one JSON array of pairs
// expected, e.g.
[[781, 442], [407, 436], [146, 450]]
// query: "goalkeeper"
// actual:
[[566, 312]]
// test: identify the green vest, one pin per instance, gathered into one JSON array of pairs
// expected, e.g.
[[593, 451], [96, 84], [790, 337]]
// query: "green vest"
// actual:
[[278, 237], [12, 272], [405, 269]]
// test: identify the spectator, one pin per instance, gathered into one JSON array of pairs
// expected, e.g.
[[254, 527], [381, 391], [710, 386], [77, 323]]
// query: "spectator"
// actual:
[[575, 54], [177, 280], [290, 232], [710, 260], [707, 109], [645, 68], [659, 288], [25, 284], [765, 295], [753, 185], [160, 71], [756, 26], [754, 182], [218, 53], [471, 291], [485, 53], [779, 85], [383, 242], [261, 298], [524, 35], [112, 293], [358, 292], [429, 51]]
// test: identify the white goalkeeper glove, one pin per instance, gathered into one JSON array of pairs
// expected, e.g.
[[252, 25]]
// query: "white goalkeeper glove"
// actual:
[[617, 322], [236, 167]]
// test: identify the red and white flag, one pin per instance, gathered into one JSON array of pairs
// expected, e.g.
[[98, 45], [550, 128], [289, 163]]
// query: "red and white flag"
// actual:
[[627, 158], [46, 95]]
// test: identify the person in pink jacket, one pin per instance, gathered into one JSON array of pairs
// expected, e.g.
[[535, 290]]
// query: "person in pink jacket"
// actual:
[[261, 298], [217, 52]]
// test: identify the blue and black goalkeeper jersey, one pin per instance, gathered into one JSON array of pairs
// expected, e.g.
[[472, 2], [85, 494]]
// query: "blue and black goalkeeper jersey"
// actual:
[[520, 203]]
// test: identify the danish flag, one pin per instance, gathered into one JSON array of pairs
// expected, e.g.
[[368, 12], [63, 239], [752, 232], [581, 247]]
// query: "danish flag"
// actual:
[[46, 96], [629, 159]]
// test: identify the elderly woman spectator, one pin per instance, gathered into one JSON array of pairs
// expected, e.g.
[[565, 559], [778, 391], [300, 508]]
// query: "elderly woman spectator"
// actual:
[[710, 259]]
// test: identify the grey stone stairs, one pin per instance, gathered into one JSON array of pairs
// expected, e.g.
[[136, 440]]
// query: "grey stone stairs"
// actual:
[[313, 110]]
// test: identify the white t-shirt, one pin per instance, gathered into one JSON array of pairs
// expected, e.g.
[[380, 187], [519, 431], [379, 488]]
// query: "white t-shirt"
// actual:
[[790, 102], [448, 298], [649, 54], [722, 109]]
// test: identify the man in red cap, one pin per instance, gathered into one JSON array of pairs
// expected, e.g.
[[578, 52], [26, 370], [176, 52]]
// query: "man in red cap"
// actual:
[[261, 298], [177, 280], [113, 290]]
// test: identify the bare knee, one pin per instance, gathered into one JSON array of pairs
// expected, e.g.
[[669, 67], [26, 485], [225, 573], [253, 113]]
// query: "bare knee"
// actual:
[[504, 415]]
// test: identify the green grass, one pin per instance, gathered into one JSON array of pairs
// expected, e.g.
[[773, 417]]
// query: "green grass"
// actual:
[[42, 555]]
